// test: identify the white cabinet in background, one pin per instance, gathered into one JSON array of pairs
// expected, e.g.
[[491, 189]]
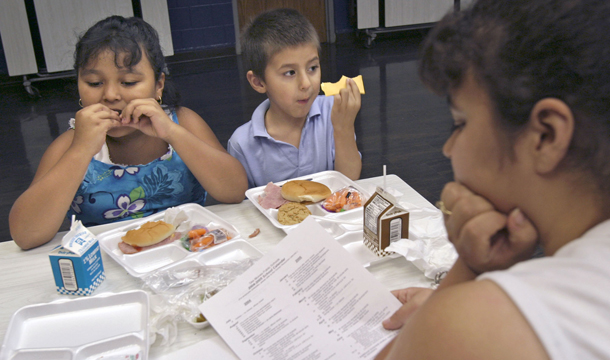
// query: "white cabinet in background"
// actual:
[[401, 12], [399, 15], [412, 12]]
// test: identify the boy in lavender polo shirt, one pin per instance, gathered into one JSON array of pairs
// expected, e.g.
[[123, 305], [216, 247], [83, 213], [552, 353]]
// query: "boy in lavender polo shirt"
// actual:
[[295, 132]]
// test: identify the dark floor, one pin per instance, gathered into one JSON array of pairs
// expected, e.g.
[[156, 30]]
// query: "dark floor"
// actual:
[[400, 123]]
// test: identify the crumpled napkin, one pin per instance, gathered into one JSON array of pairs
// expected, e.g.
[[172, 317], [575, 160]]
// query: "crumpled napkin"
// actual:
[[428, 246], [163, 321], [178, 218]]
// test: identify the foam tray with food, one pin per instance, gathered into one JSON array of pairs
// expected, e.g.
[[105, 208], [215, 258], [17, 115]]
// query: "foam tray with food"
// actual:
[[102, 326], [142, 263], [350, 220]]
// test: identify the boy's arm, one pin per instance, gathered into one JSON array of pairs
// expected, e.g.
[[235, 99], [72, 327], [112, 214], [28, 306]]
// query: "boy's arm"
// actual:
[[343, 116]]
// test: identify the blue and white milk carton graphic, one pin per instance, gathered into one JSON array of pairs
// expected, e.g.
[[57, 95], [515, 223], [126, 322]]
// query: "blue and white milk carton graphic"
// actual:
[[77, 262]]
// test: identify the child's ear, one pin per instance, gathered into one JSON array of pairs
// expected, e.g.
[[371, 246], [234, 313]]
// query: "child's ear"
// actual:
[[552, 129], [160, 85], [256, 82]]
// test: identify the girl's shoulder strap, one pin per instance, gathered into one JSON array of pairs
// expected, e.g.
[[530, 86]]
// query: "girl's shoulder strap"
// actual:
[[172, 114]]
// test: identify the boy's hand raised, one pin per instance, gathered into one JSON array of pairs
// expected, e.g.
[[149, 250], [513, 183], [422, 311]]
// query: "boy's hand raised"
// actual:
[[91, 125], [484, 238], [346, 107]]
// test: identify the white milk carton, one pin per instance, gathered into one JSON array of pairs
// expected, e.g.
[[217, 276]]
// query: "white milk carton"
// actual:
[[77, 262], [384, 222]]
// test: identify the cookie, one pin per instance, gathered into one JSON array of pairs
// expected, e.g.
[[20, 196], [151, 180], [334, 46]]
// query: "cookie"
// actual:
[[292, 213]]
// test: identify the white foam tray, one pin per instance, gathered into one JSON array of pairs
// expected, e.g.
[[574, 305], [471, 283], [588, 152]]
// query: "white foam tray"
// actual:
[[334, 223], [173, 254], [82, 329], [345, 227]]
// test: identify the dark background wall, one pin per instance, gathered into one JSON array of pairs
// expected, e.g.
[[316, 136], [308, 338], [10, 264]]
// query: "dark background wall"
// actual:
[[206, 24], [3, 68], [201, 24]]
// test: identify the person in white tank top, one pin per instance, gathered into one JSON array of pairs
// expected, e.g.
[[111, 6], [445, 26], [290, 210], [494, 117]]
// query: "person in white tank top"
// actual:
[[528, 83]]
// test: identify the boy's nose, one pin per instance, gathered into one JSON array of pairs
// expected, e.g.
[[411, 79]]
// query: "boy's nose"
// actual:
[[305, 83]]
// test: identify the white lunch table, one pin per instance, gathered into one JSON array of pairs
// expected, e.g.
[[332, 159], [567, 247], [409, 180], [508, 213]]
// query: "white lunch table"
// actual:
[[26, 277]]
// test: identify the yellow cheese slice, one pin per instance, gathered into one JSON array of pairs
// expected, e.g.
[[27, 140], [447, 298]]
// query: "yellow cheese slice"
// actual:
[[331, 89]]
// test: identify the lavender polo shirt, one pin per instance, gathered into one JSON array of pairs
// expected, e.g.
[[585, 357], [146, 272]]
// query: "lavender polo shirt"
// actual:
[[266, 159]]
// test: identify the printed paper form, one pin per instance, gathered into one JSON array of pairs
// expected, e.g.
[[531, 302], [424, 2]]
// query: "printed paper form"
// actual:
[[305, 299]]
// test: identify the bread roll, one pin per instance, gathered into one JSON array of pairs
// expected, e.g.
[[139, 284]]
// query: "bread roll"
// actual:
[[305, 190], [149, 233]]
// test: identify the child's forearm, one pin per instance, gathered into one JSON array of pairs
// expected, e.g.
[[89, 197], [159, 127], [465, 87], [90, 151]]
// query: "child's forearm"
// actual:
[[220, 174], [38, 213], [347, 157]]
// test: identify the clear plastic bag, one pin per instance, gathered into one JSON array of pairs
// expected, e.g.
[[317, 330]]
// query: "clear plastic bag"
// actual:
[[180, 291], [346, 198]]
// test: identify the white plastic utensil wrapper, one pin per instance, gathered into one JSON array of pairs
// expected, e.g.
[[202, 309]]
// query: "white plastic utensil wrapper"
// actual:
[[428, 246]]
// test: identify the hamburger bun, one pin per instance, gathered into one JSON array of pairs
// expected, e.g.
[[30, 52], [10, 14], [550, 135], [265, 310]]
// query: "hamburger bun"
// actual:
[[305, 190], [149, 233]]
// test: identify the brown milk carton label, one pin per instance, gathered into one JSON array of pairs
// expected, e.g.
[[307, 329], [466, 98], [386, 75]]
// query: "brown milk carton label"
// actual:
[[384, 222]]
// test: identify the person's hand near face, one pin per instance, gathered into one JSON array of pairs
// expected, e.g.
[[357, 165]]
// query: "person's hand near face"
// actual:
[[343, 115], [92, 123], [147, 116], [346, 106], [485, 238]]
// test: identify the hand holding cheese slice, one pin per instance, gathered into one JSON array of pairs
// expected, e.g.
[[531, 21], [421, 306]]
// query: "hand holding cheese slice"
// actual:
[[331, 89]]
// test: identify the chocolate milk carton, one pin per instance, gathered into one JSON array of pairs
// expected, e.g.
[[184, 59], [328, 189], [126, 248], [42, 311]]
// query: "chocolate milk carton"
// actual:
[[77, 262], [384, 222]]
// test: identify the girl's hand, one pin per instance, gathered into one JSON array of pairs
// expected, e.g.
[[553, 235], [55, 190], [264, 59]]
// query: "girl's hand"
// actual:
[[484, 238], [346, 106], [91, 125], [411, 299], [149, 117]]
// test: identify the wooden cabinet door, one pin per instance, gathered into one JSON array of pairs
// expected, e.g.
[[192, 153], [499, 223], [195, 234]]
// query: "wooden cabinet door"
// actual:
[[314, 10]]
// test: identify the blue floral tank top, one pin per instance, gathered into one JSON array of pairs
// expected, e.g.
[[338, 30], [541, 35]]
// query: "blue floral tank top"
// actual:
[[111, 192]]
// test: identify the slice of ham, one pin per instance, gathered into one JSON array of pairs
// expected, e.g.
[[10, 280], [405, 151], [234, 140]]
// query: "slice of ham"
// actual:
[[272, 197], [130, 249]]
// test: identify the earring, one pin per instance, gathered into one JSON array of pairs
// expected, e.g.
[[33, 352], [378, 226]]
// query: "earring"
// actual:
[[160, 100], [80, 102]]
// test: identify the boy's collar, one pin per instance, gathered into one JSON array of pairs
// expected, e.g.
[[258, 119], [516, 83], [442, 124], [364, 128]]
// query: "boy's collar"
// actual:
[[258, 117]]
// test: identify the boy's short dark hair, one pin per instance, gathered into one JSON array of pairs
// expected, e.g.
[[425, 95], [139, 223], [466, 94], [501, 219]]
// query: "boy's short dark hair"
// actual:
[[522, 51], [273, 31]]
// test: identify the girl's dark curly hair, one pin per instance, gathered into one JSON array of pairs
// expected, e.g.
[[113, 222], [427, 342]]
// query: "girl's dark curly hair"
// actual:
[[127, 36]]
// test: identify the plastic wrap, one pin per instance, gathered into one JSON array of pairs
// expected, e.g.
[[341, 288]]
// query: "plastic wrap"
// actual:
[[179, 291], [346, 198]]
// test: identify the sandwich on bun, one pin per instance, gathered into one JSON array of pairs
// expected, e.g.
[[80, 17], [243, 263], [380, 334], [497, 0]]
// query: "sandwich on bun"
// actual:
[[305, 190], [150, 235]]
